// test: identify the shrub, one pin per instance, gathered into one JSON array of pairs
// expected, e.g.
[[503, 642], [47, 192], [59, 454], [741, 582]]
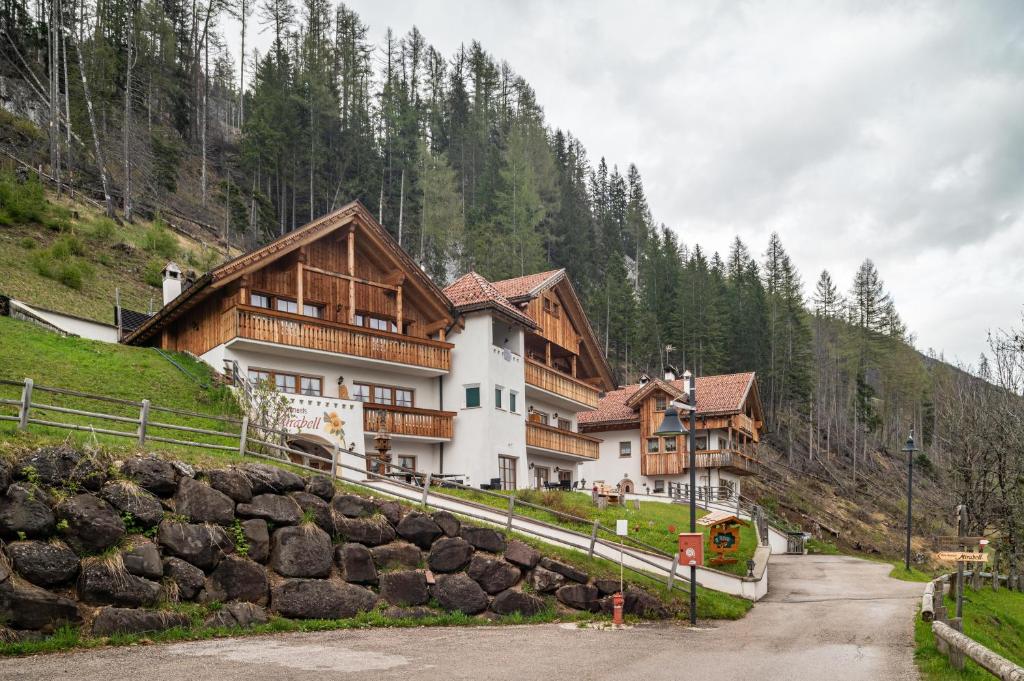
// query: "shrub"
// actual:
[[27, 242], [58, 263], [159, 240], [154, 273], [103, 229], [22, 201]]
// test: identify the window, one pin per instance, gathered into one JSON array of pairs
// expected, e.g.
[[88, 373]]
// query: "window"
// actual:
[[285, 382], [653, 446], [383, 395], [285, 305], [408, 462], [257, 376], [403, 397], [512, 400], [540, 476], [498, 392], [259, 300], [702, 443], [660, 403], [564, 424], [381, 324], [358, 320], [671, 445], [625, 449], [361, 392], [507, 472], [659, 486], [551, 307], [313, 311], [472, 396], [311, 386]]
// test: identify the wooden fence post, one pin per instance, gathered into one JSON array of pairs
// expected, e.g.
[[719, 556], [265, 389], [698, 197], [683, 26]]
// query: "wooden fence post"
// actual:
[[243, 436], [956, 655], [426, 488], [26, 404], [335, 452], [143, 421], [672, 572], [593, 538], [511, 510]]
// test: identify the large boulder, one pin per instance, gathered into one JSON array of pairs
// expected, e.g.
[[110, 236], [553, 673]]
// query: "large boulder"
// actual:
[[103, 582], [201, 503], [201, 545], [449, 554], [63, 466], [356, 563], [280, 510], [448, 523], [112, 620], [457, 592], [522, 554], [322, 486], [25, 606], [607, 587], [23, 510], [128, 497], [154, 475], [579, 596], [372, 531], [407, 587], [320, 599], [238, 579], [303, 551], [257, 538], [545, 581], [419, 529], [397, 554], [565, 570], [231, 482], [510, 602], [6, 473], [43, 563], [493, 575], [314, 506], [393, 511], [93, 526], [188, 579], [265, 478], [640, 603], [237, 615], [354, 506], [143, 560], [484, 538]]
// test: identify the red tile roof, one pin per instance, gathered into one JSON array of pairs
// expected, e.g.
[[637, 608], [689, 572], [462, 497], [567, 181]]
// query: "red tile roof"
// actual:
[[722, 394], [472, 292], [521, 287]]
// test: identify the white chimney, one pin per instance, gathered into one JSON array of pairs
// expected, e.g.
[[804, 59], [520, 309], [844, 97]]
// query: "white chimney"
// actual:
[[670, 373], [687, 378], [172, 281]]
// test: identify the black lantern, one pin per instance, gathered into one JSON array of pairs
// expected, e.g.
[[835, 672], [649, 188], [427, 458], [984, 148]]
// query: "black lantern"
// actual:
[[671, 426]]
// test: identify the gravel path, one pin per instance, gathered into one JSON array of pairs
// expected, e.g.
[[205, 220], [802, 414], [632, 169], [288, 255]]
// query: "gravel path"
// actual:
[[827, 617]]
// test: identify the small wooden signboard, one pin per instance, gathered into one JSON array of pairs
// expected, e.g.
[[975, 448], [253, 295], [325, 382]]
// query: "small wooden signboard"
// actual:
[[724, 535], [962, 556]]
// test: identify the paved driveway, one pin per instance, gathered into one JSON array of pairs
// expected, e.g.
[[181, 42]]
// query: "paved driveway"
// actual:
[[828, 617]]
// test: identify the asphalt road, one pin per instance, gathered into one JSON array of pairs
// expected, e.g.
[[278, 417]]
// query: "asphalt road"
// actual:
[[827, 617]]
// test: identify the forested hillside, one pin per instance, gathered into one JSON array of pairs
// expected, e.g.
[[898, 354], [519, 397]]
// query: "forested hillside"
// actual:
[[140, 104]]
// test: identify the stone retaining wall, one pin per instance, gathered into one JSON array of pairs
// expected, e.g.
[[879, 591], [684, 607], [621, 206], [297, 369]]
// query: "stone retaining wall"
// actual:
[[109, 545]]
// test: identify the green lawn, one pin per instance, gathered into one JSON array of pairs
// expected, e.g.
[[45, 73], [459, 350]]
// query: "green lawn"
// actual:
[[994, 619], [656, 524]]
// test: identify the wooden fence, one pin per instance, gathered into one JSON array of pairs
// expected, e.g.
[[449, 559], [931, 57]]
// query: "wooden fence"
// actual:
[[253, 440], [952, 642]]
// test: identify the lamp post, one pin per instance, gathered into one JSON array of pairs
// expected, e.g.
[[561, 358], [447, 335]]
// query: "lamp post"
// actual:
[[671, 426], [909, 448]]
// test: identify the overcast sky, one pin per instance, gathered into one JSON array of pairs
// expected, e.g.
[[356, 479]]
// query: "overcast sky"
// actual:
[[890, 130]]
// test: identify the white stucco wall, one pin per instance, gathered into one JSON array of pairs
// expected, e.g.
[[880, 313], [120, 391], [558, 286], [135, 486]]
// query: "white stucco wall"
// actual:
[[75, 326]]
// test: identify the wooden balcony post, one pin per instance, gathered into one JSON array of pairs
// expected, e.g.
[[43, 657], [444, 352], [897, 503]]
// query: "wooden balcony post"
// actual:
[[351, 272], [299, 279], [547, 353], [398, 303], [572, 362]]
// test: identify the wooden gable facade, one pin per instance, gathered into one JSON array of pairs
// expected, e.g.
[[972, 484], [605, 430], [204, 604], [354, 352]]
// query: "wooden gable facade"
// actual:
[[340, 283]]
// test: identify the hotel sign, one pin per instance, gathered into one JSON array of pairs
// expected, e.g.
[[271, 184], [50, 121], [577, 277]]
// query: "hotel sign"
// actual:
[[329, 421]]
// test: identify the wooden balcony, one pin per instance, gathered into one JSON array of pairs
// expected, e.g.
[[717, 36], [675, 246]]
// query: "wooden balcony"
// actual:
[[411, 421], [549, 380], [282, 328], [745, 424], [558, 441], [732, 460]]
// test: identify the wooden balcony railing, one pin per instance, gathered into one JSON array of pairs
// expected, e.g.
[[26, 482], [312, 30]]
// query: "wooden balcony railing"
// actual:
[[558, 440], [546, 378], [730, 459], [744, 423], [408, 421], [316, 334]]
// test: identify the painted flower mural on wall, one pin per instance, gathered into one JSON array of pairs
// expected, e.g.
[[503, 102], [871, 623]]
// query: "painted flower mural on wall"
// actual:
[[333, 425]]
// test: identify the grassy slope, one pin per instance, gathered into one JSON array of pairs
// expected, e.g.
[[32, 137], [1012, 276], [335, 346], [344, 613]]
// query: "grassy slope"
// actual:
[[993, 618], [651, 524]]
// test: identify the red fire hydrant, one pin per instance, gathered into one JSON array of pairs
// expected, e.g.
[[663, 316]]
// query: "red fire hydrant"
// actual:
[[617, 601]]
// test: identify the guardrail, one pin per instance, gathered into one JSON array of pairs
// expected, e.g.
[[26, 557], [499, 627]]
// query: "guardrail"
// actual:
[[952, 642], [249, 437]]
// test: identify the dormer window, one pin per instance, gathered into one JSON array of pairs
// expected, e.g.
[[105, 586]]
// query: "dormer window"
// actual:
[[660, 403]]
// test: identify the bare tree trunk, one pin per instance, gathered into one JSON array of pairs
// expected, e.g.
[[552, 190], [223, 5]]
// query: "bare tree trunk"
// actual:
[[127, 123], [243, 10], [95, 135], [401, 206], [202, 130], [53, 56], [67, 103]]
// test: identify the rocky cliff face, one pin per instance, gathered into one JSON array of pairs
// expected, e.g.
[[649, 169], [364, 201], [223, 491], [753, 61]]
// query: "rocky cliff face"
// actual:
[[109, 545]]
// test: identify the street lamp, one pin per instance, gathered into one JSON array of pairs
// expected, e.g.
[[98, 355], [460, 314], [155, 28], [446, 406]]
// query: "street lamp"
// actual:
[[909, 448], [671, 426]]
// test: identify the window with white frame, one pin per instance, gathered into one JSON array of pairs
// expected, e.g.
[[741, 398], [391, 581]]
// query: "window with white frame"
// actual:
[[472, 399], [499, 393]]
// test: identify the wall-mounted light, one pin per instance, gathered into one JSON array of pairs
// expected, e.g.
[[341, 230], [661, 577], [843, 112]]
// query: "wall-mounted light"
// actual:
[[531, 466]]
